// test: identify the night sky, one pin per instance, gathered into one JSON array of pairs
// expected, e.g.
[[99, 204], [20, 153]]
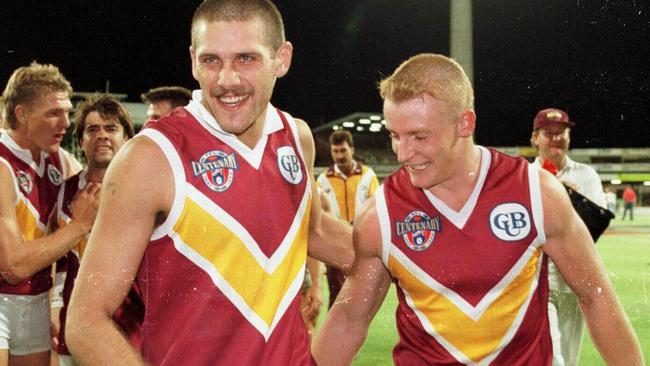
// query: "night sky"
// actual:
[[584, 56]]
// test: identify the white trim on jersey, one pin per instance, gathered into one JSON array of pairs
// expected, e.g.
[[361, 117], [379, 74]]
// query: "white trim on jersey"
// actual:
[[13, 177], [272, 123], [176, 165], [536, 202], [459, 219], [384, 224], [25, 154], [269, 264]]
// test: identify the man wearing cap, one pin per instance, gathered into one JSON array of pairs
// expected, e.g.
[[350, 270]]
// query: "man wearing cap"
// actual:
[[551, 136]]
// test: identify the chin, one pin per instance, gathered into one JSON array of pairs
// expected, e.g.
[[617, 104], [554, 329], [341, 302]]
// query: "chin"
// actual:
[[51, 149]]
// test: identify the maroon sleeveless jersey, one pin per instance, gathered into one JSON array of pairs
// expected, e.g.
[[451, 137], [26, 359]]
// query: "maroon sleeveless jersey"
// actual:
[[471, 284], [36, 188], [221, 276]]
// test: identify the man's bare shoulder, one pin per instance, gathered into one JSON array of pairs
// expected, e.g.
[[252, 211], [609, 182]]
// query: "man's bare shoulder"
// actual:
[[366, 232]]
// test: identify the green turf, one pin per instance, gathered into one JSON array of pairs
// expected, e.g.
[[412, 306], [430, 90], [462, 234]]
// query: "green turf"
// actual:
[[627, 259]]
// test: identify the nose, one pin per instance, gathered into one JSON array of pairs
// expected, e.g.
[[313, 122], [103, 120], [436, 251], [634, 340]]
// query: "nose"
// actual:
[[228, 76], [402, 150], [102, 133], [64, 121]]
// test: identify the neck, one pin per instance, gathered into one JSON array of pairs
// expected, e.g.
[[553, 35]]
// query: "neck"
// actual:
[[464, 174], [559, 161], [24, 143], [95, 175], [346, 169]]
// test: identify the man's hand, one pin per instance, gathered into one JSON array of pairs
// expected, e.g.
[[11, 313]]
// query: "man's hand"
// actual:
[[313, 303], [85, 203]]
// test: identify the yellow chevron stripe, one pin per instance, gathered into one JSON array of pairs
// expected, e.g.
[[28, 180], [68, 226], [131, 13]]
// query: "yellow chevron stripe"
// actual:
[[261, 291], [27, 222], [476, 339]]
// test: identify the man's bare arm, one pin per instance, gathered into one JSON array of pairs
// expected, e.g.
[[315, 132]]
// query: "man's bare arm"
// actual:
[[19, 258], [330, 239], [314, 295], [572, 250], [346, 326], [127, 213]]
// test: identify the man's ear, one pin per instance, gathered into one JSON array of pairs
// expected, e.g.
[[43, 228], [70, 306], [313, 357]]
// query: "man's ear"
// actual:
[[193, 63], [467, 123], [283, 59], [20, 112]]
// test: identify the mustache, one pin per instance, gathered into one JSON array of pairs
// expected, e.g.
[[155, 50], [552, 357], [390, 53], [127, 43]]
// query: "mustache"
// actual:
[[236, 90]]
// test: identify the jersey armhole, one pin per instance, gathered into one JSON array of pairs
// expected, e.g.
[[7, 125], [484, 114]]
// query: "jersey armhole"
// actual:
[[176, 166], [13, 178], [536, 203], [384, 224]]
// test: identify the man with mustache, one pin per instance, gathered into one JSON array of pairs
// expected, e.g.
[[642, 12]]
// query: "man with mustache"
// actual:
[[347, 184], [217, 212], [551, 136], [36, 103]]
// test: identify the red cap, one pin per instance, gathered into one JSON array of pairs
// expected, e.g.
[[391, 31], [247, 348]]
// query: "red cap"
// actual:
[[549, 116]]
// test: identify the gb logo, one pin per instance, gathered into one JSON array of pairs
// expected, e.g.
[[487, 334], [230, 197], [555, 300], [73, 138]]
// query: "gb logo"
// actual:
[[289, 165], [510, 221]]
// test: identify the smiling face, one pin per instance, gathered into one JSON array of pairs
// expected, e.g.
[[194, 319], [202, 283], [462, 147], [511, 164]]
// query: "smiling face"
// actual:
[[102, 138], [236, 70], [553, 143], [42, 123], [424, 134]]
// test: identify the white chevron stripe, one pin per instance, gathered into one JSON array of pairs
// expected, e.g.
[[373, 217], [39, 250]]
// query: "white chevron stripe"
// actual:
[[269, 264], [459, 219], [474, 312], [224, 286], [459, 355]]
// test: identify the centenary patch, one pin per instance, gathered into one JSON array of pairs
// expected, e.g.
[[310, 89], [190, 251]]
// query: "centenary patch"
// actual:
[[54, 175], [217, 169], [25, 182], [510, 221], [417, 230], [289, 165]]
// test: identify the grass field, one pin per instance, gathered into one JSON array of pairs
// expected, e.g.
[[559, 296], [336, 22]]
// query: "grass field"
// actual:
[[625, 250]]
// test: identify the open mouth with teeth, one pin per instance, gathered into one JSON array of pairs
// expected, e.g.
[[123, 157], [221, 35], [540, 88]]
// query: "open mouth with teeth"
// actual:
[[233, 101], [417, 167]]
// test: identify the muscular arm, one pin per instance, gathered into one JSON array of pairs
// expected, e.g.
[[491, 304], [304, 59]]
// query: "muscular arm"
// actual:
[[126, 219], [20, 258], [330, 239], [347, 322], [569, 245]]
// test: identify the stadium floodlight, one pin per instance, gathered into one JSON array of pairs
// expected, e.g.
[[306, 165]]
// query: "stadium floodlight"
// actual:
[[383, 122], [364, 121], [360, 128], [375, 118], [348, 124], [375, 127], [616, 181], [336, 127], [646, 183]]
